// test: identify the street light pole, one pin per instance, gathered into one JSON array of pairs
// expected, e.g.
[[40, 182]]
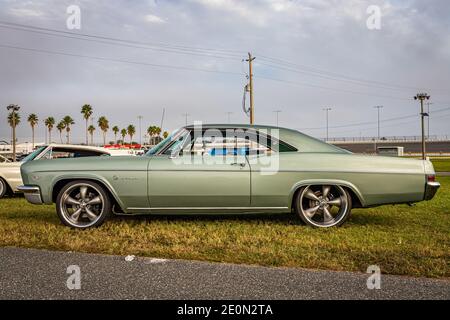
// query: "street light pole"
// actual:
[[421, 97], [378, 117], [228, 116], [277, 112], [15, 108], [140, 132], [428, 120], [326, 111]]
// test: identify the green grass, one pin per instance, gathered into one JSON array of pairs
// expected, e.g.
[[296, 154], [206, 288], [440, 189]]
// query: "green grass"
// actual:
[[400, 239], [441, 165]]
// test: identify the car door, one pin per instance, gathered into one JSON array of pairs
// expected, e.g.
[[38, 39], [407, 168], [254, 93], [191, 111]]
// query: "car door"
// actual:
[[194, 174]]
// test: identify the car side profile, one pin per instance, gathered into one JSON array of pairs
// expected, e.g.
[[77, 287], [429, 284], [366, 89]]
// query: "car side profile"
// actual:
[[10, 177], [228, 169]]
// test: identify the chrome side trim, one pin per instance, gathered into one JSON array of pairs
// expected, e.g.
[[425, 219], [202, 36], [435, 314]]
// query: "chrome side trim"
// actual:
[[31, 193], [211, 208]]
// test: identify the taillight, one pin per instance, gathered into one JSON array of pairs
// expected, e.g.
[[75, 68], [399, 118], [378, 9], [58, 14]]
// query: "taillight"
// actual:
[[431, 178]]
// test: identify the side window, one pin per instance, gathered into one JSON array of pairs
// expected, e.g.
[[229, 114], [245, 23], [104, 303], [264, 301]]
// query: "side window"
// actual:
[[222, 143]]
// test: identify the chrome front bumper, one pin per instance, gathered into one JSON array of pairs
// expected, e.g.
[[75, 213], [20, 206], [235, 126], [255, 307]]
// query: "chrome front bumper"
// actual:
[[31, 193], [430, 189]]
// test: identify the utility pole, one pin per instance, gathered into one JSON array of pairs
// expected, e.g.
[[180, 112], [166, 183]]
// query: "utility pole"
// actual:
[[421, 97], [186, 115], [140, 132], [428, 120], [277, 112], [250, 86], [15, 108], [326, 111], [378, 117], [228, 116]]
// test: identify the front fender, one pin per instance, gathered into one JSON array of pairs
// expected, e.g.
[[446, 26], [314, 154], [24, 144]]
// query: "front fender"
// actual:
[[341, 183], [85, 176]]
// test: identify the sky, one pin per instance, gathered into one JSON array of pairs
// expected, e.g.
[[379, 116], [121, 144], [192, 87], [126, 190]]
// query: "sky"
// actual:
[[187, 57]]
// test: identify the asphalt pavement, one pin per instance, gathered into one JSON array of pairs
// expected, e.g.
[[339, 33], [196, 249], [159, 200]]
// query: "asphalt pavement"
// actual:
[[42, 274]]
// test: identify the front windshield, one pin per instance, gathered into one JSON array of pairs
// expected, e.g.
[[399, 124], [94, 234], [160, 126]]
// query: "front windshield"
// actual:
[[162, 144], [33, 155]]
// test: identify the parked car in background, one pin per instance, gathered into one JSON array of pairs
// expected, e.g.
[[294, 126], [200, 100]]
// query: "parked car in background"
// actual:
[[4, 159], [10, 177], [228, 169]]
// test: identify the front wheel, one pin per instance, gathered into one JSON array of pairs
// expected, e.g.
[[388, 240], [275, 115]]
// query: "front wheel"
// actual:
[[323, 206], [83, 204]]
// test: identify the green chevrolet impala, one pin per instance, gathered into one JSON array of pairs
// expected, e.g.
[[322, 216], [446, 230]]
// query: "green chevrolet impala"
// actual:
[[210, 169]]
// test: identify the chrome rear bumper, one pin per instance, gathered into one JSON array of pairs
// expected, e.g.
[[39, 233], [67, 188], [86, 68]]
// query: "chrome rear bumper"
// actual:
[[430, 189], [31, 193]]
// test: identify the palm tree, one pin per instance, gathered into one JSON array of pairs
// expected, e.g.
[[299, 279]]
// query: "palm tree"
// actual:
[[86, 110], [151, 132], [103, 124], [49, 123], [61, 126], [33, 121], [165, 134], [13, 120], [91, 130], [116, 130], [68, 121], [123, 133], [131, 130]]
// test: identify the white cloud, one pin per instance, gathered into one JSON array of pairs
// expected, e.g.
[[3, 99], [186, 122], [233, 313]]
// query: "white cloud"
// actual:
[[23, 12], [154, 19]]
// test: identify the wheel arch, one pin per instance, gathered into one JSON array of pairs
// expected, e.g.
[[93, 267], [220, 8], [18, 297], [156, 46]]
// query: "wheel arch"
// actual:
[[355, 194], [9, 189], [59, 183]]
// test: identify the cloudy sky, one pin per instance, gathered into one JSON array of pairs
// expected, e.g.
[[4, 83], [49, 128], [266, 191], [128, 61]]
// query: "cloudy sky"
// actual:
[[186, 56]]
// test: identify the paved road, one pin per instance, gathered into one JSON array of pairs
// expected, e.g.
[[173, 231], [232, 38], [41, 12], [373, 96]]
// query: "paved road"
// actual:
[[41, 274]]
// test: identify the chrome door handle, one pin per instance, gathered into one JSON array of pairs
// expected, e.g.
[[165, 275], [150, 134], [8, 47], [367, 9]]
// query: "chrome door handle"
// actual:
[[242, 165]]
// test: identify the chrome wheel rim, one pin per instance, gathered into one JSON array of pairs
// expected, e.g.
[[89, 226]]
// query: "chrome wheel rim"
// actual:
[[323, 206], [82, 205], [2, 187]]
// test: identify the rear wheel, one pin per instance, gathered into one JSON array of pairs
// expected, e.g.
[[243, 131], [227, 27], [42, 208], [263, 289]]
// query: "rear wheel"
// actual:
[[3, 188], [323, 206], [83, 204]]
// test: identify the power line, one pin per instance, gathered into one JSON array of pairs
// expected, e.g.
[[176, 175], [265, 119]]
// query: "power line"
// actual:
[[329, 88], [327, 77], [114, 43], [119, 60], [311, 69], [236, 53]]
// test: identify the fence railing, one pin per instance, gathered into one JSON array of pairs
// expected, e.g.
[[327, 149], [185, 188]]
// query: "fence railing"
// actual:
[[389, 139]]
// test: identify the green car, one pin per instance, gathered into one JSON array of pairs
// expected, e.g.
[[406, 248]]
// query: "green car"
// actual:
[[213, 169]]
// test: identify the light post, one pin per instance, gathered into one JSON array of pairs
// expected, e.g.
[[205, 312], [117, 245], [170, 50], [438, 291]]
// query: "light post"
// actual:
[[277, 112], [326, 112], [378, 117], [421, 97], [15, 108], [140, 131]]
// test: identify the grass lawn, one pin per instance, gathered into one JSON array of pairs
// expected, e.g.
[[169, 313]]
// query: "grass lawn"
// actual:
[[399, 239], [441, 165]]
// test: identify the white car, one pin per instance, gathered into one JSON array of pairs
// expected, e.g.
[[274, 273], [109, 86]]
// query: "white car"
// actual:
[[10, 177]]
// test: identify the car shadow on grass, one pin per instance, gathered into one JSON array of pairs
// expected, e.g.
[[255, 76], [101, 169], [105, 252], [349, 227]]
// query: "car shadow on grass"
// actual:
[[283, 218]]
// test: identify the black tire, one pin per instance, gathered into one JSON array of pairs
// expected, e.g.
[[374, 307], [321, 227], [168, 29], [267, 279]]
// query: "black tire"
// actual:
[[3, 188], [323, 212], [70, 200]]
